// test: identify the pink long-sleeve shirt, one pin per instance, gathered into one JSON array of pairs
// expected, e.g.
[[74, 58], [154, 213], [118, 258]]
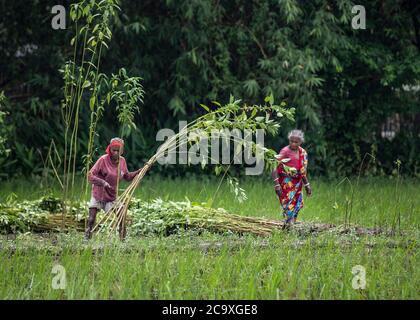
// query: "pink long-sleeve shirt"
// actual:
[[106, 171]]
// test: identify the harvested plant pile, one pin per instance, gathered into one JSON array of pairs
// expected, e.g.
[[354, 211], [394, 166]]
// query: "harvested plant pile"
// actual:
[[39, 215], [154, 217], [167, 217]]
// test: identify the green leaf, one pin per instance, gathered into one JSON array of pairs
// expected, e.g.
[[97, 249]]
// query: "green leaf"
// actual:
[[231, 98], [269, 99], [205, 107], [92, 103], [254, 112], [86, 84]]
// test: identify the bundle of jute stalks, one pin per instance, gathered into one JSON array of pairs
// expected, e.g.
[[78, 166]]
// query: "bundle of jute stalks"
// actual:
[[224, 119], [167, 217]]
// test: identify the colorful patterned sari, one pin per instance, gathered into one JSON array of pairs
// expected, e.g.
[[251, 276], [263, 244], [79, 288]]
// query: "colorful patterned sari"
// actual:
[[291, 199]]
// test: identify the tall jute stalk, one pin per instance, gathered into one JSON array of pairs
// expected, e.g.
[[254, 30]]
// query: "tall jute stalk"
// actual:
[[231, 116], [83, 80], [91, 20]]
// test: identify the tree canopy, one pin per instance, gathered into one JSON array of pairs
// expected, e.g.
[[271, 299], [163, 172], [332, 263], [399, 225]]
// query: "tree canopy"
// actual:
[[345, 83]]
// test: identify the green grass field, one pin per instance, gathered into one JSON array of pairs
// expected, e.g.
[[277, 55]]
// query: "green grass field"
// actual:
[[189, 265]]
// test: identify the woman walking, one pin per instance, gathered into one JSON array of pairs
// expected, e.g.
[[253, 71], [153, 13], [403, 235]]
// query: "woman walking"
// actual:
[[290, 176], [105, 177]]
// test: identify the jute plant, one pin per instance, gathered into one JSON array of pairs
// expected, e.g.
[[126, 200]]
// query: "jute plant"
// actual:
[[91, 20], [83, 81]]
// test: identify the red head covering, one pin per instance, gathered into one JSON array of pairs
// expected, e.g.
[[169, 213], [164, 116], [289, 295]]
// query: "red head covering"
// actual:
[[115, 142]]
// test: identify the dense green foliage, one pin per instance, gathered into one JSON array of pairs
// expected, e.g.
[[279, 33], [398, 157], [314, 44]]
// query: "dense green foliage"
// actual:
[[344, 83]]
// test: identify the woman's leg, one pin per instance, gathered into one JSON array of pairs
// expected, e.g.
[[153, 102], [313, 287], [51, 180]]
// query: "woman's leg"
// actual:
[[91, 222], [299, 203]]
